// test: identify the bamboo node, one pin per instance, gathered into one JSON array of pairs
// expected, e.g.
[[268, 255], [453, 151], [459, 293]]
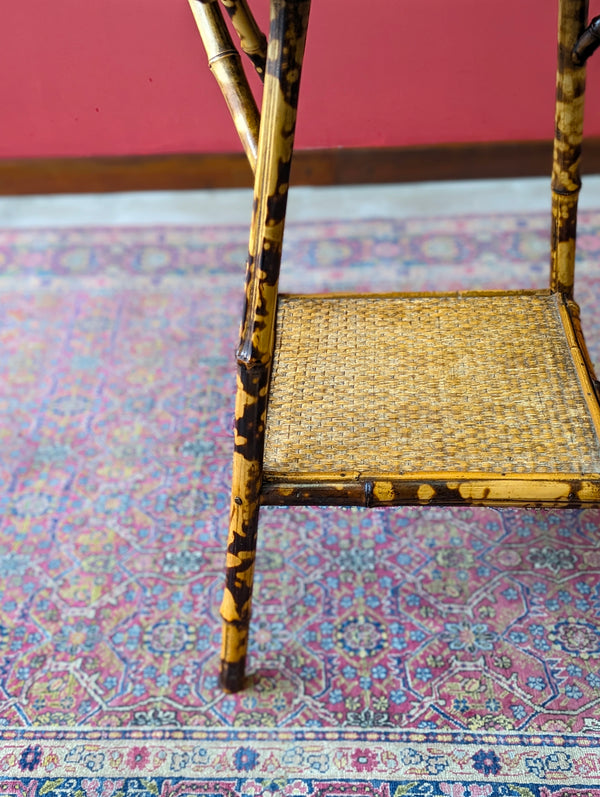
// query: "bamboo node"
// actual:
[[224, 54]]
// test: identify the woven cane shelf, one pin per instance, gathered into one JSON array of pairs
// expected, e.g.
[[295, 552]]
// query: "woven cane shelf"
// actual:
[[419, 398]]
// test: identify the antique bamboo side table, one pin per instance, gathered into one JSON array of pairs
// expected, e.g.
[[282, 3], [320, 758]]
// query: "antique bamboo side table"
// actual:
[[484, 398]]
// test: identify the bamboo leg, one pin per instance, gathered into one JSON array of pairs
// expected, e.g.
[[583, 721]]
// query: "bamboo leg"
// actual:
[[241, 543], [225, 64], [289, 19], [566, 182], [252, 41]]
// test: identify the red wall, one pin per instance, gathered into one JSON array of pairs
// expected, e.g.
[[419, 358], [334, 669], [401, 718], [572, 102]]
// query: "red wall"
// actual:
[[130, 76]]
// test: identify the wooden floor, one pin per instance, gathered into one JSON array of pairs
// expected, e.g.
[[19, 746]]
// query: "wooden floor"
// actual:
[[233, 206]]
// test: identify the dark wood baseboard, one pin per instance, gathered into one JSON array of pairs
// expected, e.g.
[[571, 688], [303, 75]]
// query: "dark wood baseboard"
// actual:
[[311, 167]]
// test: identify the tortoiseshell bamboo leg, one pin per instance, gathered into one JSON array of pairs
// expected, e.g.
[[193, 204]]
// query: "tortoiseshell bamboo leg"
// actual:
[[289, 20], [566, 182], [245, 502]]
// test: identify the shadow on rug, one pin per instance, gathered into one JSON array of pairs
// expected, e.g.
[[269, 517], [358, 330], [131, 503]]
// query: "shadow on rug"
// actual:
[[394, 652]]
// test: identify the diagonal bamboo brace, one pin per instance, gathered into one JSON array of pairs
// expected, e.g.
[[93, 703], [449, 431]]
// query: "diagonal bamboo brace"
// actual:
[[252, 40], [225, 64], [588, 42]]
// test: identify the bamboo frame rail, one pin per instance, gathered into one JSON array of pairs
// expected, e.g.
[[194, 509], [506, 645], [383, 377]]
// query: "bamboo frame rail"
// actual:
[[225, 64], [451, 489], [252, 40], [566, 181]]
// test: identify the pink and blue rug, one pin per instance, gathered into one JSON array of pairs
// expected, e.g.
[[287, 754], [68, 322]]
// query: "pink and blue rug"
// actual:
[[409, 652]]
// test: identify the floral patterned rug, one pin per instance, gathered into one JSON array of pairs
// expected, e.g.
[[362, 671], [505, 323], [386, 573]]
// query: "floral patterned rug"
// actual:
[[394, 652]]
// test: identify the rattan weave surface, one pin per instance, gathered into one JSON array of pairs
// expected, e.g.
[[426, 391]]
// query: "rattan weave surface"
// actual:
[[396, 384]]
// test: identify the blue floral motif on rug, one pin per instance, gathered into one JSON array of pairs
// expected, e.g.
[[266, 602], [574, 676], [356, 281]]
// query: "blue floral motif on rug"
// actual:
[[413, 651]]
